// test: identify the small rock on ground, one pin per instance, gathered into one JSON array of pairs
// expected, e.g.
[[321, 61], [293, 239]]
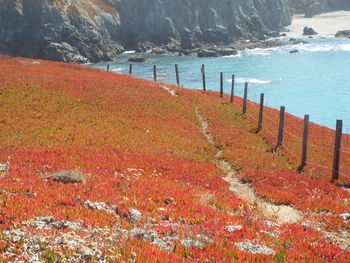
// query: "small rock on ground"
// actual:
[[231, 228], [151, 236], [190, 242], [3, 168], [134, 216], [67, 177], [254, 248], [345, 216]]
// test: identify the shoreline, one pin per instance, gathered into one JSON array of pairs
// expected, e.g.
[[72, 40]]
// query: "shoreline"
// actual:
[[327, 24]]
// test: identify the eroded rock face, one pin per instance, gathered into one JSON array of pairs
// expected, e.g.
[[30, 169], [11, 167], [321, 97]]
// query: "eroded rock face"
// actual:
[[62, 30], [96, 30], [196, 21]]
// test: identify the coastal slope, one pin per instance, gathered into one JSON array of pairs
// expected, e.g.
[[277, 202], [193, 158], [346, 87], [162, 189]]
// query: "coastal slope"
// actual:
[[103, 167]]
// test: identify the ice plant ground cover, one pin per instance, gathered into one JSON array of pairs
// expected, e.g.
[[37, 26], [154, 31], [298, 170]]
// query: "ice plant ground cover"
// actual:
[[152, 189]]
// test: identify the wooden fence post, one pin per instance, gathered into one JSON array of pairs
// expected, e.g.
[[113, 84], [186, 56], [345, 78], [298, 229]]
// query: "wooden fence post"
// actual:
[[280, 128], [232, 88], [244, 111], [154, 73], [305, 142], [177, 74], [221, 84], [261, 112], [337, 145], [203, 77], [130, 69]]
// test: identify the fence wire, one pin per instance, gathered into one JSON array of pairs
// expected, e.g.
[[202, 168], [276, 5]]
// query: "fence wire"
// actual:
[[267, 118]]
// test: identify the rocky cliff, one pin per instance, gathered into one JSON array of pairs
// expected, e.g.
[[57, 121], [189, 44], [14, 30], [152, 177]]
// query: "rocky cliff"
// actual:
[[63, 30], [95, 30]]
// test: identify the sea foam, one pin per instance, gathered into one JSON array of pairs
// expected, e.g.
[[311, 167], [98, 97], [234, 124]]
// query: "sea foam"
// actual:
[[253, 81]]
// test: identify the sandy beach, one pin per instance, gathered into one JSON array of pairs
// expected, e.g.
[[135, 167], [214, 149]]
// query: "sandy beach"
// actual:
[[324, 24]]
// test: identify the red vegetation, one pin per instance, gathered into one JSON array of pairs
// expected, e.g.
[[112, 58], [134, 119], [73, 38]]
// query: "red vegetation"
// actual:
[[141, 148]]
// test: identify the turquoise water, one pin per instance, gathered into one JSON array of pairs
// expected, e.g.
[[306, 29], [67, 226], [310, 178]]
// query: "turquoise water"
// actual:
[[315, 81]]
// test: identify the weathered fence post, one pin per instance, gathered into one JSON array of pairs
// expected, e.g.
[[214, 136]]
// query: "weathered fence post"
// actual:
[[177, 74], [154, 73], [221, 84], [108, 67], [337, 145], [261, 112], [232, 88], [244, 111], [280, 128], [305, 142], [203, 77], [130, 69]]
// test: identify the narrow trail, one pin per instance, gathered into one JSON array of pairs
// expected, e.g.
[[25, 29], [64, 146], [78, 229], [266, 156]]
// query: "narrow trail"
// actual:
[[172, 92], [278, 213]]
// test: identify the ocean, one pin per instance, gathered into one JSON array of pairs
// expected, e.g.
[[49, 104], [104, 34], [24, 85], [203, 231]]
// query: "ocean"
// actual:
[[315, 81]]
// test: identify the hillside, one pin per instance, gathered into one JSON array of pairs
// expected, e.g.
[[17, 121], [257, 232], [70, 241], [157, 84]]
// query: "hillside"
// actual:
[[169, 174], [96, 30]]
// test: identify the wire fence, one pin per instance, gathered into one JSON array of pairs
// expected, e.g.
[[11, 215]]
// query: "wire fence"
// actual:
[[320, 145], [321, 141]]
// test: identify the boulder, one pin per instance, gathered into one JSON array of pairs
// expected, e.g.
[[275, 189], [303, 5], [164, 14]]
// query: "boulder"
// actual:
[[203, 53], [343, 34], [159, 50], [227, 51], [269, 44], [297, 41], [142, 47], [214, 51], [173, 46], [187, 52], [137, 59], [67, 177], [309, 31], [273, 34], [294, 51]]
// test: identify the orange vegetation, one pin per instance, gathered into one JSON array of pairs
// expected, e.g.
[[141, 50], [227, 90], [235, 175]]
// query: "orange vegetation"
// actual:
[[141, 148]]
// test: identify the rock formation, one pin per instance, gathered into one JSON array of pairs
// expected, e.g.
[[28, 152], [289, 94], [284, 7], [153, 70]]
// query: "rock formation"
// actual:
[[63, 30], [343, 34], [95, 30], [309, 31]]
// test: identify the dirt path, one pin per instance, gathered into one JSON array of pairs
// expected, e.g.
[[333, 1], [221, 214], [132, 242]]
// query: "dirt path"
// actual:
[[279, 213], [172, 92]]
